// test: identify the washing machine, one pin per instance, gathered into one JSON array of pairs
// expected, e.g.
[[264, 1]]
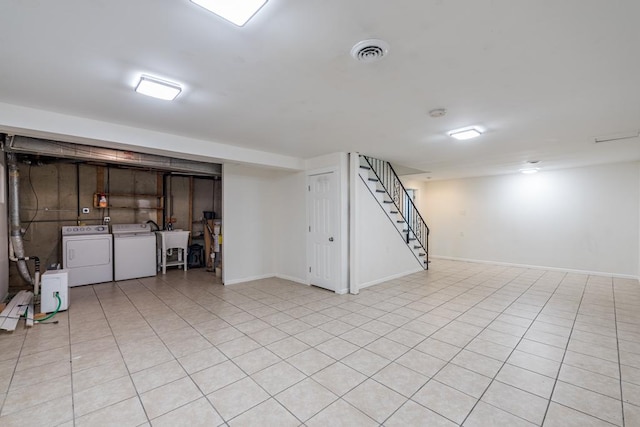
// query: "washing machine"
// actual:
[[87, 253], [134, 251]]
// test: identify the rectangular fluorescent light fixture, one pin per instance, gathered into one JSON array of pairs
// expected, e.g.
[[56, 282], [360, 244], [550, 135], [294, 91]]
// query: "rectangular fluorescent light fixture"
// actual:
[[529, 171], [157, 88], [467, 133], [235, 11]]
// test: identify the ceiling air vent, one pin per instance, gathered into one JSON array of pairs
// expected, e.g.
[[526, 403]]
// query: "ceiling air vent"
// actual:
[[370, 50]]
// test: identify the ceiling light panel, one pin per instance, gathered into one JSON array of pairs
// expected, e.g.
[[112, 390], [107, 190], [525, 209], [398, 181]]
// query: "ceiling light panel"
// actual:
[[235, 11], [466, 133], [529, 171], [158, 88]]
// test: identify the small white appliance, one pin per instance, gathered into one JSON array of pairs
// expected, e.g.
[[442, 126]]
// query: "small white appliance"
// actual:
[[134, 251], [87, 254], [54, 282]]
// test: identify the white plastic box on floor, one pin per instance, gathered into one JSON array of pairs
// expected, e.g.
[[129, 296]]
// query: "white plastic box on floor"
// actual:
[[54, 281]]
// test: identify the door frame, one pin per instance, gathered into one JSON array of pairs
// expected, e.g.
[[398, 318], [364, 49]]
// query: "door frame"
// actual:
[[340, 287]]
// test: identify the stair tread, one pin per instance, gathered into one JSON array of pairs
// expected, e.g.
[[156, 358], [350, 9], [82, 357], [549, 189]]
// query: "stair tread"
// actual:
[[374, 179], [364, 167], [380, 191]]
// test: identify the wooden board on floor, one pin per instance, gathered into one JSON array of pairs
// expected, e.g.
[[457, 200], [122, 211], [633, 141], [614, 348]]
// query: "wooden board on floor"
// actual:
[[17, 307]]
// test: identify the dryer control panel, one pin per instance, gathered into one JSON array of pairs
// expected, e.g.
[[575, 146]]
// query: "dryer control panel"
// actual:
[[75, 230]]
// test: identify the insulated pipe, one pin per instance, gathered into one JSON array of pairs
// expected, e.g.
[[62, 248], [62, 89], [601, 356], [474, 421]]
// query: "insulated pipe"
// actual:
[[14, 218]]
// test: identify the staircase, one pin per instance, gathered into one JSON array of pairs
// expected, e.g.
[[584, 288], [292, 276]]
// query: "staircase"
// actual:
[[385, 186]]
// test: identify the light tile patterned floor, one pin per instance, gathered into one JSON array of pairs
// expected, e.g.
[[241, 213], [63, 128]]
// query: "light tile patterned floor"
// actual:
[[462, 344]]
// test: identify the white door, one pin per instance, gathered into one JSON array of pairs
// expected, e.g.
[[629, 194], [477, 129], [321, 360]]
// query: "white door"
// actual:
[[323, 230]]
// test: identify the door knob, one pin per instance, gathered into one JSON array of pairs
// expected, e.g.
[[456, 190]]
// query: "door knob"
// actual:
[[331, 239]]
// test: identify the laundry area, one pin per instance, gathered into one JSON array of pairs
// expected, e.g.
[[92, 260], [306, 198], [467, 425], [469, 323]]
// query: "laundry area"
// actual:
[[82, 215]]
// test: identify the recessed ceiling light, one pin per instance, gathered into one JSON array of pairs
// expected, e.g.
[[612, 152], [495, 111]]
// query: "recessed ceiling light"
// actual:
[[235, 11], [466, 133], [438, 112], [529, 171], [157, 88]]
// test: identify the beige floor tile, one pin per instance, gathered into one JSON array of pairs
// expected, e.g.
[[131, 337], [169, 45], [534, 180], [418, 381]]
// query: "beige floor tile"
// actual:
[[365, 362], [53, 412], [489, 349], [254, 325], [313, 337], [375, 400], [170, 396], [102, 395], [589, 402], [377, 327], [293, 327], [199, 413], [463, 380], [526, 380], [256, 360], [412, 414], [236, 398], [38, 374], [339, 378], [517, 402], [268, 413], [238, 346], [485, 415], [310, 361], [341, 414], [561, 416], [542, 350], [36, 394], [594, 364], [221, 336], [420, 362], [278, 377], [126, 413], [478, 363], [268, 335], [400, 379], [590, 380], [631, 415], [360, 337], [439, 349], [388, 349], [200, 360], [157, 376], [35, 360], [337, 348], [88, 378], [287, 347], [217, 376], [445, 401], [631, 393], [540, 365], [306, 399], [405, 337]]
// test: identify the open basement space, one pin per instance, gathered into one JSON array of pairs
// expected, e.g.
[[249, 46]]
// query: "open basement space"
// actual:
[[459, 344]]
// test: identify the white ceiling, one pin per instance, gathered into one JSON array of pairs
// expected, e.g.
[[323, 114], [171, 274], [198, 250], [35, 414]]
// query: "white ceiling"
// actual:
[[543, 78]]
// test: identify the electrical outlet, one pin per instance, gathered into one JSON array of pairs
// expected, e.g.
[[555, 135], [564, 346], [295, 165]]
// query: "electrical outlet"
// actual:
[[106, 219], [85, 210]]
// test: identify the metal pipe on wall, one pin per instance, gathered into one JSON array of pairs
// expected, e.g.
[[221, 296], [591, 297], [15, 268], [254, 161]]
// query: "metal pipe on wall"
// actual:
[[14, 218]]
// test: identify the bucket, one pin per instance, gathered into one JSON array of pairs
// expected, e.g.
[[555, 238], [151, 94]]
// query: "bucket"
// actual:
[[209, 214]]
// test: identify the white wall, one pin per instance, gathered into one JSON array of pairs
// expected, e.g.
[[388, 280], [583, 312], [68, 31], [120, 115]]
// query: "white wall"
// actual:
[[248, 223], [579, 219], [382, 253], [4, 234], [291, 227]]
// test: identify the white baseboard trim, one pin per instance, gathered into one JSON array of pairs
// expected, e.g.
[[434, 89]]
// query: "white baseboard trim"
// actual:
[[248, 279], [539, 267], [292, 279], [385, 279]]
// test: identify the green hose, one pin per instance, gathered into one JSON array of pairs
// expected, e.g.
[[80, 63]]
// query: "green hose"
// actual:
[[55, 312]]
